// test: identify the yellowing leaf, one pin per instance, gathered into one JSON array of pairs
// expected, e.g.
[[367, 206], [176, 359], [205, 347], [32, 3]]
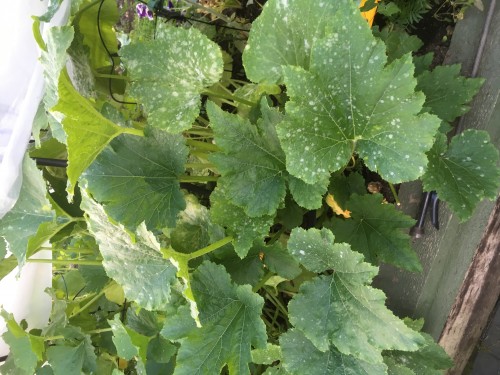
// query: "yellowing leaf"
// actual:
[[330, 201]]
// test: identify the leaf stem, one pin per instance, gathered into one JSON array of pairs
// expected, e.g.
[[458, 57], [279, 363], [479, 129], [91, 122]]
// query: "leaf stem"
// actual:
[[199, 165], [262, 282], [185, 178], [230, 97], [88, 304], [202, 145], [110, 76], [393, 190], [210, 248], [67, 261], [277, 303], [101, 330], [133, 131]]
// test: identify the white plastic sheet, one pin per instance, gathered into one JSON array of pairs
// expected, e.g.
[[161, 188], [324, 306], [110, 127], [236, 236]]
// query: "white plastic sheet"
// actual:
[[21, 90]]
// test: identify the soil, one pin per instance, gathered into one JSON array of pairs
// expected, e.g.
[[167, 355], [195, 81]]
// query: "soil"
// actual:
[[436, 36]]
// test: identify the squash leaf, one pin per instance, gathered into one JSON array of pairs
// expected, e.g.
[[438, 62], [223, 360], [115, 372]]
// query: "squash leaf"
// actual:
[[347, 313], [283, 35], [465, 172], [169, 73], [138, 266], [377, 231], [350, 102], [231, 325], [140, 172], [302, 357], [447, 92]]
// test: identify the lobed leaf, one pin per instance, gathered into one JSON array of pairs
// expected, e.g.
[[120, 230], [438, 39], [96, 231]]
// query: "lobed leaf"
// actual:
[[302, 357], [169, 73], [284, 34], [377, 231], [465, 172], [138, 266], [350, 102], [447, 92], [252, 163], [87, 130], [348, 313], [140, 172], [243, 228], [231, 325], [430, 359]]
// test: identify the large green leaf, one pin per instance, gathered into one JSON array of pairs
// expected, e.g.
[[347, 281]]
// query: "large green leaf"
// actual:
[[53, 60], [88, 131], [447, 92], [377, 231], [137, 265], [31, 210], [465, 172], [169, 73], [243, 228], [349, 102], [140, 172], [302, 357], [71, 360], [284, 34], [347, 313], [231, 325], [252, 163]]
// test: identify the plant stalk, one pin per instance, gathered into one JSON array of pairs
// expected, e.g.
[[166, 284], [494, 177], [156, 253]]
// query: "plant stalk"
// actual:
[[210, 248]]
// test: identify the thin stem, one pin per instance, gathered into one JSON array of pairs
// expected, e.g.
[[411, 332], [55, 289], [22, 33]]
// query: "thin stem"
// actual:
[[67, 261], [199, 165], [101, 330], [396, 198], [133, 131], [230, 97], [200, 179], [277, 303], [88, 304], [111, 76], [262, 282], [205, 132], [51, 338], [210, 248], [69, 250], [208, 10], [202, 145], [199, 155]]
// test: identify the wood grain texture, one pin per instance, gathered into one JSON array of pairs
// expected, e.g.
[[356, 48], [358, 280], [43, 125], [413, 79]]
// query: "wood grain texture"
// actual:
[[476, 297]]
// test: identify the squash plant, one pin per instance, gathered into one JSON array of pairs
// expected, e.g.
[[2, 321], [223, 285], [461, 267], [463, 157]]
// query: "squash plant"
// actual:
[[207, 224]]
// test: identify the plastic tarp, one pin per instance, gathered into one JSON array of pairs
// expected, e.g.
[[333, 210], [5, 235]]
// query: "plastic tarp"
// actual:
[[21, 90]]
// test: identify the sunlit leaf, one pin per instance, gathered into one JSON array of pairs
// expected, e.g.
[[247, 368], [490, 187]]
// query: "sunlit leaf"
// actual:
[[169, 73], [331, 114], [137, 265]]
